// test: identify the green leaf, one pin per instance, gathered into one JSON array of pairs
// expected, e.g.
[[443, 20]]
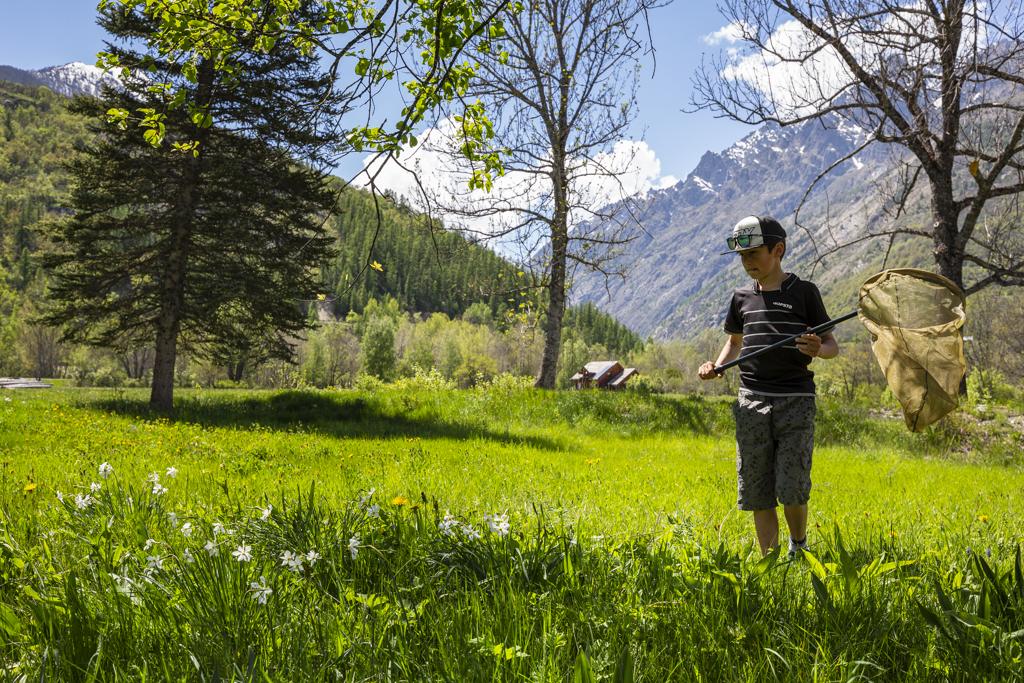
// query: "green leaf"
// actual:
[[582, 672], [9, 621], [624, 670]]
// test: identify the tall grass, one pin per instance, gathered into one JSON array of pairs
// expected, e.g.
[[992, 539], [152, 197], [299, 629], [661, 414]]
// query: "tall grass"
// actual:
[[512, 535]]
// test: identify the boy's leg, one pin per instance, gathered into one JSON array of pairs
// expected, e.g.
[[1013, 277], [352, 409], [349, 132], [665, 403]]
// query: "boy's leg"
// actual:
[[793, 425], [766, 524], [755, 466], [796, 520]]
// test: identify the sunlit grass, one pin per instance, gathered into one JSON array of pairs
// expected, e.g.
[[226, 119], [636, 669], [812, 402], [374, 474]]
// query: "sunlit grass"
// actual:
[[624, 538]]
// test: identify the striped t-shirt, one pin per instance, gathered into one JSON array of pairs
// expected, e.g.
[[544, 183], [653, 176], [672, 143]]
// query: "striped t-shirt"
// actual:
[[767, 317]]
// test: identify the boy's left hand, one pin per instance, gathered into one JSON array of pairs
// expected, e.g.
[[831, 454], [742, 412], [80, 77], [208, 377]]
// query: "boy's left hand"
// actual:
[[809, 344]]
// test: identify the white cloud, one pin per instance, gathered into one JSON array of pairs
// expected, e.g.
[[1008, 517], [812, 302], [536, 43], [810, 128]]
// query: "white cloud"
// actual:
[[729, 34], [430, 177]]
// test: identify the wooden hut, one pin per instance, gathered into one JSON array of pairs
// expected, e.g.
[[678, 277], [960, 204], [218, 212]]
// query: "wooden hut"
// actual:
[[602, 374]]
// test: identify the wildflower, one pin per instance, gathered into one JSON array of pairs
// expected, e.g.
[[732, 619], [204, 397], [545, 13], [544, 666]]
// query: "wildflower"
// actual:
[[365, 498], [95, 487], [470, 532], [159, 490], [106, 470], [83, 502], [186, 529], [983, 519], [154, 562], [7, 399], [353, 546], [498, 524], [312, 556], [218, 528], [260, 591], [242, 553], [265, 512], [292, 561], [373, 511], [448, 525], [211, 549], [30, 487], [153, 478], [399, 501], [60, 496], [149, 544], [988, 552], [171, 472], [173, 517], [187, 556]]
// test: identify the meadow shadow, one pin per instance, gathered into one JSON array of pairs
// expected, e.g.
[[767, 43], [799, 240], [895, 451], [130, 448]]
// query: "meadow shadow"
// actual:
[[340, 416]]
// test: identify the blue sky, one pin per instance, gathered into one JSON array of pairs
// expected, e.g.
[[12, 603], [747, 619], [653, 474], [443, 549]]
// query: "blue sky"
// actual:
[[40, 33]]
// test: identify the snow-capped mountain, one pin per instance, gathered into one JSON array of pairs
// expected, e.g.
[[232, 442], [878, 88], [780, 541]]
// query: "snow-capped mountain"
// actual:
[[677, 282], [75, 78]]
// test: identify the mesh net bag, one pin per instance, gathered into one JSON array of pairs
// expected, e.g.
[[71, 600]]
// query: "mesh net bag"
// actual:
[[915, 319]]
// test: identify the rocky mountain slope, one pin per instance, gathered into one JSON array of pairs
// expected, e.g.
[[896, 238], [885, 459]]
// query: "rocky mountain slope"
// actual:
[[74, 78], [677, 283]]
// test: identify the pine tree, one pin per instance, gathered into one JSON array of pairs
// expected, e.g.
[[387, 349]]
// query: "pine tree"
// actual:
[[191, 248]]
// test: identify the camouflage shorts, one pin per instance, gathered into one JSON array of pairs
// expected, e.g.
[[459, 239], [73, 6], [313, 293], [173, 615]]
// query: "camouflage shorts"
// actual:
[[774, 441]]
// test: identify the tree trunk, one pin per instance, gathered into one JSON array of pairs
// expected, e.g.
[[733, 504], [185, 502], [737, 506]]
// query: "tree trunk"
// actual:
[[556, 291], [236, 370], [172, 285]]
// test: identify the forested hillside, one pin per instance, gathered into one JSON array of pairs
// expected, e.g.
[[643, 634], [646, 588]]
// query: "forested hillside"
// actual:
[[384, 251]]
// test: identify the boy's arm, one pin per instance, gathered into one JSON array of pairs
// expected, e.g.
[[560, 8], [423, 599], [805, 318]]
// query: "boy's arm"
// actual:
[[730, 351]]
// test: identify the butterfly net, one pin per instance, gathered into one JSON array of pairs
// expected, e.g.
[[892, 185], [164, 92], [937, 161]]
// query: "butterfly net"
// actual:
[[916, 319]]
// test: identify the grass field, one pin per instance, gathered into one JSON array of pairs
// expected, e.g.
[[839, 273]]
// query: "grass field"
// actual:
[[493, 534]]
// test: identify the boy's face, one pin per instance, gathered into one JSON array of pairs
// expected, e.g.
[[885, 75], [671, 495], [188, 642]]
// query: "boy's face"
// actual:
[[761, 261]]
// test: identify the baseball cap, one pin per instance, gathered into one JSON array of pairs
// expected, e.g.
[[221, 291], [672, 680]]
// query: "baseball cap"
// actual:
[[753, 232]]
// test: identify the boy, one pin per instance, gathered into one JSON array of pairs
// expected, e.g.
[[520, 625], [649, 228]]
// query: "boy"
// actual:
[[775, 409]]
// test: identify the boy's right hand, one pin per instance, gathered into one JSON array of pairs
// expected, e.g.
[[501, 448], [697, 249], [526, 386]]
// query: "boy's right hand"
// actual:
[[707, 371]]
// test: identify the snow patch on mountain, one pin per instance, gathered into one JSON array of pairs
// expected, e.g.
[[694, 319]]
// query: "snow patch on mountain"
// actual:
[[76, 78]]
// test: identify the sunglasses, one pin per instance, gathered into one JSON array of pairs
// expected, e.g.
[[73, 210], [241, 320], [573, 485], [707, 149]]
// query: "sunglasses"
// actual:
[[744, 241]]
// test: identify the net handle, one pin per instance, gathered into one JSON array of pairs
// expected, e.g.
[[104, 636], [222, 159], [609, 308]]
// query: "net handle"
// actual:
[[719, 369]]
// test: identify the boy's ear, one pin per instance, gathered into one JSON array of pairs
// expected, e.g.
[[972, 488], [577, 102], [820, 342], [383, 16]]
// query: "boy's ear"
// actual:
[[779, 249]]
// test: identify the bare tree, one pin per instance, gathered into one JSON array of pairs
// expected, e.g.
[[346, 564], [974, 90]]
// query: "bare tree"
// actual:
[[560, 87], [941, 82]]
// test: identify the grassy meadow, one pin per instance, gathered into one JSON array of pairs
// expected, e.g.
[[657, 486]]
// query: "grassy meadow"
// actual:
[[412, 532]]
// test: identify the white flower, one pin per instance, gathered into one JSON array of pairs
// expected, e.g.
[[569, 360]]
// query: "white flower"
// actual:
[[187, 556], [153, 478], [498, 524], [172, 472], [353, 546], [95, 487], [448, 525], [159, 490], [242, 553], [149, 544], [173, 516], [471, 532], [312, 556], [373, 511], [219, 529], [186, 529], [60, 496], [265, 512], [83, 502], [154, 562], [106, 470], [211, 549], [260, 591], [7, 399], [365, 498], [292, 561]]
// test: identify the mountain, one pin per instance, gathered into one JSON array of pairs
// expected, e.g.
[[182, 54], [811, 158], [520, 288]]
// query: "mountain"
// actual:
[[74, 78], [677, 282]]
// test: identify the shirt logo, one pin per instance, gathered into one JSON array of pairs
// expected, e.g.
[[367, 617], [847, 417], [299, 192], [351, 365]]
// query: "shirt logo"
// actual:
[[779, 303]]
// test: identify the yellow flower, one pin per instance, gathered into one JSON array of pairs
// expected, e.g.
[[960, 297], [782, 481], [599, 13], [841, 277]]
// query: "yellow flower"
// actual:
[[377, 266], [983, 519], [593, 461], [30, 487], [399, 500]]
